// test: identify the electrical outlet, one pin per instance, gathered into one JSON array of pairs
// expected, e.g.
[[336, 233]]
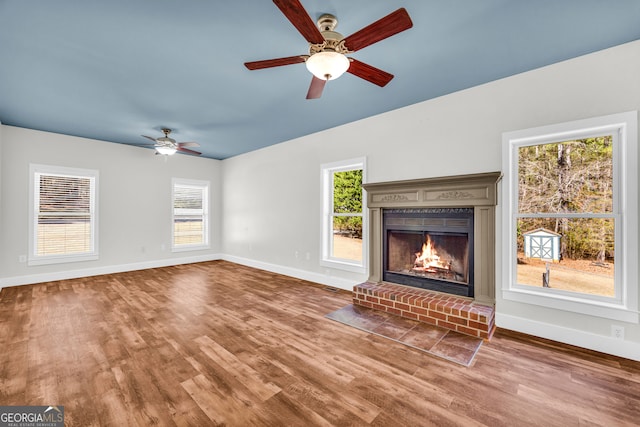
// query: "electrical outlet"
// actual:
[[22, 258], [617, 332]]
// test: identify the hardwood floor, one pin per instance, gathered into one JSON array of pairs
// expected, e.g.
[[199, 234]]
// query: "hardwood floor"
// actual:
[[221, 344]]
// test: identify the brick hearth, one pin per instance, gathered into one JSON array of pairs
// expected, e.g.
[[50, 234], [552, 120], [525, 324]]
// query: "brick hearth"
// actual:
[[448, 311]]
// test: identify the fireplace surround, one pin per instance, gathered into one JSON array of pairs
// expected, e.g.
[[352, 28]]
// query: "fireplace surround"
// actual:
[[473, 195]]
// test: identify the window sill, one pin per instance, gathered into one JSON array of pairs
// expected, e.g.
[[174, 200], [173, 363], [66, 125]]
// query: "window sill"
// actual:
[[607, 310]]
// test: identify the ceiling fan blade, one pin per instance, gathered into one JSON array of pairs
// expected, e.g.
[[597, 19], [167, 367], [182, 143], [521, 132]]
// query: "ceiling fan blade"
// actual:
[[391, 24], [369, 73], [187, 151], [277, 62], [188, 144], [315, 88], [295, 13], [148, 137]]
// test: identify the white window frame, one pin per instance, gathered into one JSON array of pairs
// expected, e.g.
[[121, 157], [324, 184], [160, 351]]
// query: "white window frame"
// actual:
[[205, 187], [35, 171], [624, 305], [327, 260]]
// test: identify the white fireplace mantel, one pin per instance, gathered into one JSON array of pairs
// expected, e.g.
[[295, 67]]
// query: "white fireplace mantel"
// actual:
[[477, 191]]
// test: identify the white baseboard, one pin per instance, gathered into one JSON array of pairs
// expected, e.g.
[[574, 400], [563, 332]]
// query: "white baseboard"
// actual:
[[601, 343], [96, 271], [335, 282]]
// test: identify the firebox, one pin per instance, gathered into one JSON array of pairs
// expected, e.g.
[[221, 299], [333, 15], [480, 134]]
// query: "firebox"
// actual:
[[429, 248]]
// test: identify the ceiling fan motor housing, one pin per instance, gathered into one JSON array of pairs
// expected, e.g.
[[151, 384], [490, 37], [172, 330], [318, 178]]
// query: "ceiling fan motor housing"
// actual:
[[327, 22], [165, 139], [332, 39]]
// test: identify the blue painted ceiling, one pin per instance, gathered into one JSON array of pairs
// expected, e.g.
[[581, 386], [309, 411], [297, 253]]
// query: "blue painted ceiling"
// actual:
[[114, 70]]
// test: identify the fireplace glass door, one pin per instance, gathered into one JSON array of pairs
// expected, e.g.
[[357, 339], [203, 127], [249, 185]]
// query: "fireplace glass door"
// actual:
[[429, 248]]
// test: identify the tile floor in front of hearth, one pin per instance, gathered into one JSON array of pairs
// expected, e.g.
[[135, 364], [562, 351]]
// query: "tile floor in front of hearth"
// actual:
[[450, 345]]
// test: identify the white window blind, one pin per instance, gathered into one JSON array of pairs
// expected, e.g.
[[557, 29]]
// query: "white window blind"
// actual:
[[190, 215], [63, 223]]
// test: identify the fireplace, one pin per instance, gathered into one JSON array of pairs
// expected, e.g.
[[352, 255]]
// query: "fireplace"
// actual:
[[429, 248], [454, 214], [432, 251]]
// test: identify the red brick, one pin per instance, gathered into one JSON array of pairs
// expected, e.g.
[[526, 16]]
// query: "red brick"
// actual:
[[420, 310], [426, 306], [386, 302], [393, 311], [437, 315], [476, 325], [401, 306], [426, 319], [447, 325], [457, 320], [409, 315]]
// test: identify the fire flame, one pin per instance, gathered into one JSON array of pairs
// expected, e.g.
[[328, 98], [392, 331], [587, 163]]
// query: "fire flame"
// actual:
[[429, 257]]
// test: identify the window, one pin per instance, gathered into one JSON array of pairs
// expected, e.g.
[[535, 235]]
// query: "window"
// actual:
[[190, 202], [343, 220], [571, 216], [63, 215]]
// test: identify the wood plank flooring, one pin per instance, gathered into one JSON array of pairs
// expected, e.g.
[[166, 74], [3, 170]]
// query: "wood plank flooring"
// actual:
[[215, 344]]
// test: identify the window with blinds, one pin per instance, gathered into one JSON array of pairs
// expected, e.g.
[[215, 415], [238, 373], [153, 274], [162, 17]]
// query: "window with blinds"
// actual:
[[63, 223], [190, 215]]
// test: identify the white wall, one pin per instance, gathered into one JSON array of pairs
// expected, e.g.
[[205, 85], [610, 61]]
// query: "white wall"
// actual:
[[134, 203], [271, 197]]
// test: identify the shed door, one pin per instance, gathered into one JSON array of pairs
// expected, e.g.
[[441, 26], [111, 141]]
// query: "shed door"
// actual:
[[542, 247]]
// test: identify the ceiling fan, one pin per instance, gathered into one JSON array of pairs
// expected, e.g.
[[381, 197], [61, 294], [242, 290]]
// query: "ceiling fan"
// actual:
[[328, 49], [169, 146]]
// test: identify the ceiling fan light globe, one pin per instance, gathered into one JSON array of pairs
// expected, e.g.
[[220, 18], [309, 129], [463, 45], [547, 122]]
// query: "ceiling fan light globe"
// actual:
[[166, 150], [327, 65]]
